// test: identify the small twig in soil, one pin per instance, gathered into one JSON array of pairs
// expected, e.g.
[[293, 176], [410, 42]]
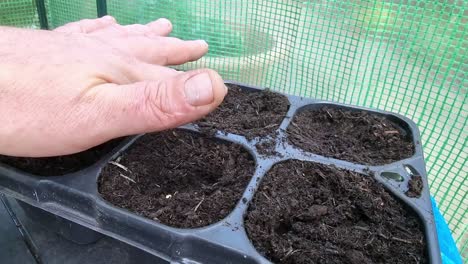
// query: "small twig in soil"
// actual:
[[415, 259], [257, 108], [402, 229], [119, 165], [321, 175], [361, 228], [296, 126], [165, 144], [269, 126], [332, 251], [396, 239], [370, 241], [184, 142], [279, 202], [389, 132], [329, 114], [401, 240], [382, 235], [177, 166], [290, 252], [127, 178], [193, 142], [198, 205], [266, 196]]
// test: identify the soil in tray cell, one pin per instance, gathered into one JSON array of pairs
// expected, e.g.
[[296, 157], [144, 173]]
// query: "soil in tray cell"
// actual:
[[178, 178], [415, 187], [305, 212], [60, 165], [356, 136], [248, 113]]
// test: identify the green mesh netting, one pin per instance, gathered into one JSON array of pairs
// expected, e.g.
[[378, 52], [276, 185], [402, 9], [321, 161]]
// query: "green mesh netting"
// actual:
[[60, 12], [405, 56], [20, 13]]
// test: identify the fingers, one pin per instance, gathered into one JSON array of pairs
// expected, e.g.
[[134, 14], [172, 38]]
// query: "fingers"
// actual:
[[162, 50], [160, 27], [145, 42], [158, 105], [107, 26], [87, 25]]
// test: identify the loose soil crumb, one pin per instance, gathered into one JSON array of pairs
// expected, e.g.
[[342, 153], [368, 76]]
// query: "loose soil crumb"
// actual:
[[415, 187], [305, 212], [267, 147], [178, 178], [60, 165], [356, 136], [247, 113]]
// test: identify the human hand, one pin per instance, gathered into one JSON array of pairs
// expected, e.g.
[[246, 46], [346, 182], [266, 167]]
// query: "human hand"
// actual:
[[85, 83]]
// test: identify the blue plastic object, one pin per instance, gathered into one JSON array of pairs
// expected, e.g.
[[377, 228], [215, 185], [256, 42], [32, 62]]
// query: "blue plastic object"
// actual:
[[448, 248]]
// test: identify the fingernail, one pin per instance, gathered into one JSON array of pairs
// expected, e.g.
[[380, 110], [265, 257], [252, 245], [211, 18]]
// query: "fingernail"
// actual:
[[202, 42], [199, 90], [109, 18], [163, 21]]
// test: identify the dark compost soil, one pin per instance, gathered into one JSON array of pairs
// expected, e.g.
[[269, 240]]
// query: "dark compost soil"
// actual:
[[309, 213], [267, 147], [355, 136], [247, 113], [60, 165], [415, 186], [178, 178]]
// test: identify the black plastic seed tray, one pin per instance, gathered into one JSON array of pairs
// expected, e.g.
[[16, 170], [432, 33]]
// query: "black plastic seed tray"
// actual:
[[72, 205]]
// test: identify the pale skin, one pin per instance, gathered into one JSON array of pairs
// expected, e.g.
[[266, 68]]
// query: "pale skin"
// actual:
[[67, 90]]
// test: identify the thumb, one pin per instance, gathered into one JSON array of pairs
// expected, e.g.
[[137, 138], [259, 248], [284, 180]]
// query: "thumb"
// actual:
[[150, 106]]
